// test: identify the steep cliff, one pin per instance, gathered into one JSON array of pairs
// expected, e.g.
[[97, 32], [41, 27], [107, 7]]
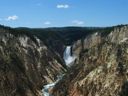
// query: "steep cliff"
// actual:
[[32, 58], [101, 68], [26, 64]]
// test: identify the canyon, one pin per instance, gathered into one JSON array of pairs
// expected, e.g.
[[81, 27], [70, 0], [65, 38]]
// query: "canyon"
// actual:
[[68, 61]]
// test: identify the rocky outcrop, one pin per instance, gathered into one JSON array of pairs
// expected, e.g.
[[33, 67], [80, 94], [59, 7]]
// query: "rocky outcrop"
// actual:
[[101, 68], [26, 64]]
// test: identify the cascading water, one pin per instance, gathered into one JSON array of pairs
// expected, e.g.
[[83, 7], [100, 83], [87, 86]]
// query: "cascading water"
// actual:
[[68, 60]]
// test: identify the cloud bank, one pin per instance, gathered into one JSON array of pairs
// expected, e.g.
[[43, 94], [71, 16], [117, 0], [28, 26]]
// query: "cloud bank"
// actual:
[[62, 6], [78, 22], [12, 18]]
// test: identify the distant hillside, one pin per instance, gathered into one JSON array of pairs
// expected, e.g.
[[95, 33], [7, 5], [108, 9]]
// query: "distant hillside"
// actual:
[[67, 35]]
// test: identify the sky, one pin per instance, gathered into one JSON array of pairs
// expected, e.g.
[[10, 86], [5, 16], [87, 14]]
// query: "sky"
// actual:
[[60, 13]]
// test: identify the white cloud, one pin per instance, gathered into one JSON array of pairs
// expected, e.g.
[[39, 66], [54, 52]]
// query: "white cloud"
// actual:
[[78, 22], [12, 18], [64, 6], [47, 23]]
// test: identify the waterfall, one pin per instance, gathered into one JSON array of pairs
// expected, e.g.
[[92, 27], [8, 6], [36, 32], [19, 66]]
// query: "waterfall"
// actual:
[[68, 58]]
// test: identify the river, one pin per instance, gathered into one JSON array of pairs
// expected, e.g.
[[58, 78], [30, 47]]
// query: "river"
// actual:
[[68, 58]]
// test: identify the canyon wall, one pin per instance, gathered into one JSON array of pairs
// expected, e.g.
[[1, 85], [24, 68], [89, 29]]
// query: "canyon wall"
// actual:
[[26, 64], [101, 68], [29, 60]]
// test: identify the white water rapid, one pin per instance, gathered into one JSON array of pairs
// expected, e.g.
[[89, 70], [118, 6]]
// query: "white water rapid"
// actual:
[[68, 60], [51, 85], [46, 87]]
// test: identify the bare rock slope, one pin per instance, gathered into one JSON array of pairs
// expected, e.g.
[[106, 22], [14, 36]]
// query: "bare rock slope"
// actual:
[[26, 64], [101, 68]]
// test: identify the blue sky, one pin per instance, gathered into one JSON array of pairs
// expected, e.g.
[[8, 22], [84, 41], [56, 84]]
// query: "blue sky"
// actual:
[[57, 13]]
